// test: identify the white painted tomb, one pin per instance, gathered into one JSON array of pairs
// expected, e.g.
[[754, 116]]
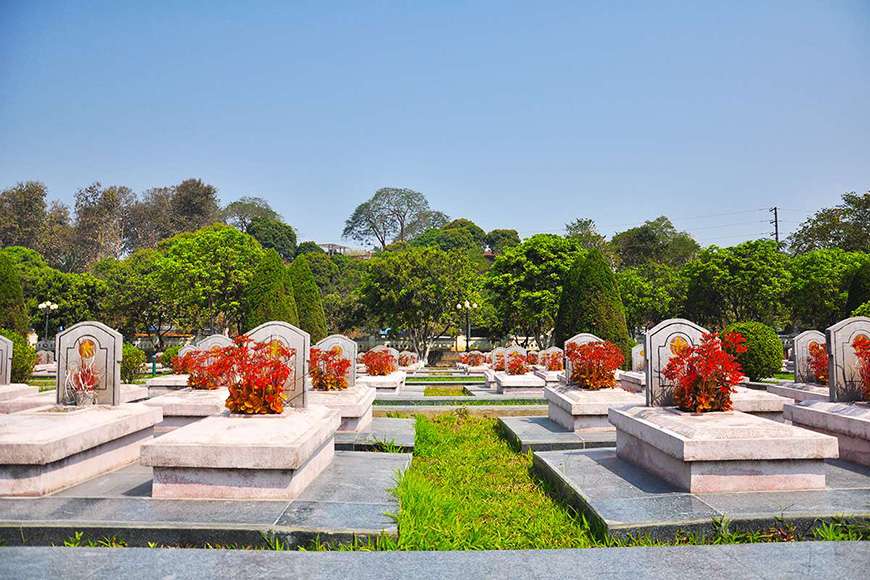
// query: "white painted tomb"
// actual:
[[584, 410], [182, 407], [354, 404]]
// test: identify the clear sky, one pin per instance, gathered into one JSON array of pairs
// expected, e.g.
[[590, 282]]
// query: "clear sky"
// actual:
[[513, 114]]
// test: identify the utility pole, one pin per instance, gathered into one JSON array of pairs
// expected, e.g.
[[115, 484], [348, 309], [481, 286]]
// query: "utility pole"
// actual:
[[775, 222]]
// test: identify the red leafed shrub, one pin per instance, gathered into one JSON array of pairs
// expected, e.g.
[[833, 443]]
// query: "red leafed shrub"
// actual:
[[181, 364], [406, 359], [593, 364], [257, 373], [532, 358], [328, 369], [517, 364], [379, 363], [463, 358], [553, 361], [475, 359], [861, 344], [498, 362], [704, 376], [818, 362]]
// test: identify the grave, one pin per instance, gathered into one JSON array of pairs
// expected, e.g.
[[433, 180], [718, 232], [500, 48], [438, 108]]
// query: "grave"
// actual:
[[92, 350], [164, 384], [638, 358], [293, 338], [541, 370], [801, 348], [508, 383], [36, 400], [353, 403], [845, 416], [391, 383], [181, 407], [578, 339], [8, 389]]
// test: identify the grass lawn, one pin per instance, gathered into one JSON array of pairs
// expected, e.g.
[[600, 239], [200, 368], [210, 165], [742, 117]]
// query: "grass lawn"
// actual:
[[456, 379], [784, 376], [444, 392], [44, 384]]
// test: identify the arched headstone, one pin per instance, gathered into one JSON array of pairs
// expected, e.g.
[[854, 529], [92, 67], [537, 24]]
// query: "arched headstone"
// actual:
[[844, 379], [801, 348], [578, 339], [348, 350], [5, 360], [300, 342], [393, 352], [214, 340], [662, 341], [95, 348], [638, 357]]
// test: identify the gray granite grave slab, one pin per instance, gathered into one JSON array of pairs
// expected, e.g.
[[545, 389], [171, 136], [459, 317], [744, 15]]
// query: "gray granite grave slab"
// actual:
[[383, 430], [784, 561], [801, 348], [543, 434], [624, 500]]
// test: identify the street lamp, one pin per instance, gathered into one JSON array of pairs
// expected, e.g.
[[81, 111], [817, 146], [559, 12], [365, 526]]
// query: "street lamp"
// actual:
[[467, 307], [48, 306]]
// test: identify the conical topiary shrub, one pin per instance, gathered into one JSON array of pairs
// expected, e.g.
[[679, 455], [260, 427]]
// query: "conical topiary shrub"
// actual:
[[13, 313], [591, 303], [270, 295], [312, 319]]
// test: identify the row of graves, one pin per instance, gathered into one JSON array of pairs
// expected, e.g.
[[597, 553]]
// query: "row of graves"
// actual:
[[689, 441], [256, 418]]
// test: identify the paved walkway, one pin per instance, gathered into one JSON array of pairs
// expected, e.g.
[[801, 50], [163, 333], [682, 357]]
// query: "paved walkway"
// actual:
[[815, 560]]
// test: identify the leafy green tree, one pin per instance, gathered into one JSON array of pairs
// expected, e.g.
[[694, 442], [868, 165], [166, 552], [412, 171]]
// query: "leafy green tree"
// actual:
[[650, 293], [270, 296], [863, 310], [820, 285], [194, 205], [22, 214], [591, 303], [275, 235], [339, 277], [211, 270], [415, 290], [308, 301], [525, 285], [655, 241], [309, 247], [585, 232], [57, 241], [763, 356], [475, 231], [845, 226], [101, 219], [749, 281], [859, 287], [23, 356], [244, 210], [500, 240], [131, 362], [392, 215], [13, 313]]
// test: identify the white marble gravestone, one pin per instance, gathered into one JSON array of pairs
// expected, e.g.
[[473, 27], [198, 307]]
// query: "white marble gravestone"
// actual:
[[348, 351], [663, 340], [393, 352], [638, 357], [187, 349], [95, 346], [844, 380], [300, 342], [214, 340], [515, 349], [801, 348], [549, 352], [5, 360], [496, 352], [581, 338]]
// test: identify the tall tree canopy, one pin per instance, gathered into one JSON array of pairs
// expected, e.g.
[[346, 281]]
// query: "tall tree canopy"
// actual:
[[392, 215], [22, 214], [845, 226], [309, 303], [244, 210], [274, 234], [655, 241], [820, 286], [500, 240]]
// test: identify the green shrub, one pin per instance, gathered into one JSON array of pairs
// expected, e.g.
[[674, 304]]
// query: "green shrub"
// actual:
[[13, 313], [863, 310], [591, 303], [131, 363], [169, 353], [309, 304], [23, 356], [270, 295], [763, 356], [859, 290]]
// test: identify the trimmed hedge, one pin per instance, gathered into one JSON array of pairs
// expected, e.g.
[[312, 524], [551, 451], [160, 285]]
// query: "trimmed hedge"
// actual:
[[23, 356], [763, 356], [309, 303], [13, 313], [270, 295], [591, 303], [131, 362]]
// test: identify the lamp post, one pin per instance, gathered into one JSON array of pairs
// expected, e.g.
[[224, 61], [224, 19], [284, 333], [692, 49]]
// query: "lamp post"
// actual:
[[48, 306], [467, 307]]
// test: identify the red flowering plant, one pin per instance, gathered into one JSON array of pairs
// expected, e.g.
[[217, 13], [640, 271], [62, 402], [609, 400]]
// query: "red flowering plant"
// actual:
[[406, 359], [818, 362], [594, 364], [517, 364], [181, 364], [328, 369], [475, 359], [861, 344], [498, 362], [256, 373], [463, 358], [704, 376], [552, 361], [379, 363], [532, 358]]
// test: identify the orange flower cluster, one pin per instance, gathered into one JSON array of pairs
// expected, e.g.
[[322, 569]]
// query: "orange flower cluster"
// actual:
[[328, 369], [861, 344], [498, 362], [818, 362], [256, 374], [517, 364], [379, 363], [593, 364], [704, 376], [532, 358], [475, 359], [406, 359], [197, 365], [553, 361]]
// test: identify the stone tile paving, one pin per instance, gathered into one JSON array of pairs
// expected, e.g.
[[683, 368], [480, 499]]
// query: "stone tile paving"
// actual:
[[543, 434], [626, 500], [816, 560], [399, 432]]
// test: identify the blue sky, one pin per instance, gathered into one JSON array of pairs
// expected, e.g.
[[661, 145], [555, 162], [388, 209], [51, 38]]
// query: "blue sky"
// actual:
[[521, 115]]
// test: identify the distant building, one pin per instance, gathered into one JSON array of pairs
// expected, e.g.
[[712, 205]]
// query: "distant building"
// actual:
[[333, 249]]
